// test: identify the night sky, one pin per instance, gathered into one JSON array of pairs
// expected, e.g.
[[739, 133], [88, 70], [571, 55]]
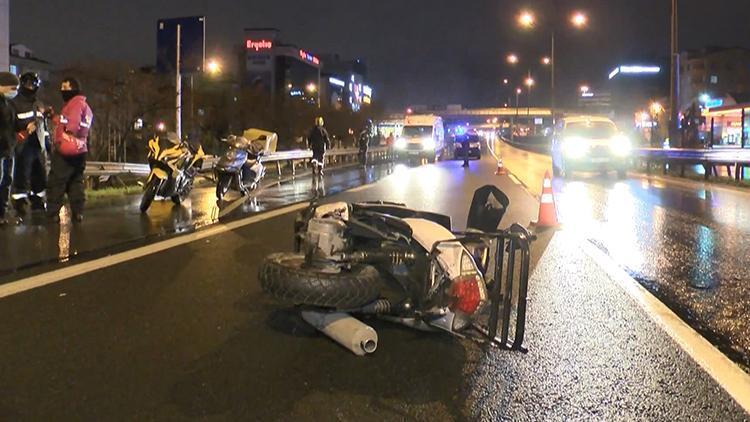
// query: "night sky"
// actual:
[[419, 51]]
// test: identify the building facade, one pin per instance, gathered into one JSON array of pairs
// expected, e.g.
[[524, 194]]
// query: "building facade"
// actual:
[[4, 34], [345, 83], [710, 74], [22, 60], [282, 70]]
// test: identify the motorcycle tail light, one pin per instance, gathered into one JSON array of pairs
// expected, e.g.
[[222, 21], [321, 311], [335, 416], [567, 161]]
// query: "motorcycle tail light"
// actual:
[[467, 294]]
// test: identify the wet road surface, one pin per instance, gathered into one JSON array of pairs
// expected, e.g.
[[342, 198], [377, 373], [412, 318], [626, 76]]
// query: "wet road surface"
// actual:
[[186, 334], [116, 223], [686, 242]]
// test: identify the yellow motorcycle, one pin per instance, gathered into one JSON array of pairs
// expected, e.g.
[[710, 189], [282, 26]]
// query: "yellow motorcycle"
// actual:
[[173, 170]]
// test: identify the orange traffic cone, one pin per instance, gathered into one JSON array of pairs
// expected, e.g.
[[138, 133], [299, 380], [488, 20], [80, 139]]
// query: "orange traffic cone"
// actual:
[[501, 170], [547, 211]]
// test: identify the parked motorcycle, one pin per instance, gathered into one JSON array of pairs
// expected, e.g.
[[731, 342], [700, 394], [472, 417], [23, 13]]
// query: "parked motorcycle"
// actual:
[[405, 266], [173, 170], [241, 167]]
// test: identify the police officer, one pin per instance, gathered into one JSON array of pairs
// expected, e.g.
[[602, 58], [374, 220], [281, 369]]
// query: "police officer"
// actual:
[[318, 141], [8, 91], [31, 152], [363, 143]]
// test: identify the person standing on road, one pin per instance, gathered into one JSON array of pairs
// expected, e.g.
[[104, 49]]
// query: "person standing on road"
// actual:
[[363, 142], [31, 152], [8, 90], [68, 162], [318, 140]]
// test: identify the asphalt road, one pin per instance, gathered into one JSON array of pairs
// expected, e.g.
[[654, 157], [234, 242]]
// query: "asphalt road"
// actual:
[[186, 334], [686, 242], [116, 223]]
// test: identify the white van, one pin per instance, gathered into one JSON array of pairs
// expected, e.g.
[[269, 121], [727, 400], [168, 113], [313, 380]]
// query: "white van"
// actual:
[[422, 136]]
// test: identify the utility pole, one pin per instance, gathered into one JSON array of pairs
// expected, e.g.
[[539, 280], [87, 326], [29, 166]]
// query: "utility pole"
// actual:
[[178, 88], [674, 91]]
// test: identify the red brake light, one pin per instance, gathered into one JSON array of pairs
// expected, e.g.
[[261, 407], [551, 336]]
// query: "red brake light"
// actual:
[[465, 291]]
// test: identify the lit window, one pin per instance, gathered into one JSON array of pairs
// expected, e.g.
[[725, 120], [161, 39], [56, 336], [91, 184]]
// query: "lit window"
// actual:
[[714, 79]]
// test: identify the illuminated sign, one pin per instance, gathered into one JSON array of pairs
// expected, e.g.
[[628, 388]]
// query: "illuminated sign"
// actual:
[[304, 55], [634, 70], [367, 90], [258, 45], [714, 102], [366, 100], [337, 82]]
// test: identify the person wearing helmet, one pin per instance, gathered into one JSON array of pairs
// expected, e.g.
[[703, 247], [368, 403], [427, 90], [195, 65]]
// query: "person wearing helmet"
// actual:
[[363, 142], [318, 140], [30, 178], [8, 90]]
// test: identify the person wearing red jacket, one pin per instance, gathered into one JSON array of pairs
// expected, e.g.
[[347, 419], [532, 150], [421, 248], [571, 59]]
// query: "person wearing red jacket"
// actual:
[[68, 160]]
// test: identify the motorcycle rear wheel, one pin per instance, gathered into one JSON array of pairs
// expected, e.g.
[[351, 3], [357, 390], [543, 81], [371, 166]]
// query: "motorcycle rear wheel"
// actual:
[[285, 277]]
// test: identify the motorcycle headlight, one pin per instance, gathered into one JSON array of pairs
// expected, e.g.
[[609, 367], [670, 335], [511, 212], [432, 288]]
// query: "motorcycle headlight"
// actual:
[[620, 145], [400, 143], [575, 147], [428, 143]]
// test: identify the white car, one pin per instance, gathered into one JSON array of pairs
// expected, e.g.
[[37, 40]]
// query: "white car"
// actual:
[[590, 143]]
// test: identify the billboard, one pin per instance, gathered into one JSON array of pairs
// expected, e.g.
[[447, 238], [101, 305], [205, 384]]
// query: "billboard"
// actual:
[[192, 44]]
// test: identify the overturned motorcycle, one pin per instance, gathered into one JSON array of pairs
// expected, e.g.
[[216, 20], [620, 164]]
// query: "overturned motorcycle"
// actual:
[[408, 267]]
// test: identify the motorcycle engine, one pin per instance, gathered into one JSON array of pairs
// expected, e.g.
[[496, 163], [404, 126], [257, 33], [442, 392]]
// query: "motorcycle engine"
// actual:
[[325, 237]]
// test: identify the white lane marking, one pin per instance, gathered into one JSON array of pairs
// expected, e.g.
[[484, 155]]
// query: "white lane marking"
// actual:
[[693, 184], [55, 276], [726, 373]]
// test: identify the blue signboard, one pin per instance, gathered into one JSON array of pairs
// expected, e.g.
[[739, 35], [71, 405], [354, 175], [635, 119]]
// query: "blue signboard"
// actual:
[[192, 44], [714, 102]]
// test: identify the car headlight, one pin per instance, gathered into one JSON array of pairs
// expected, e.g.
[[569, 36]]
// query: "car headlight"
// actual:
[[428, 143], [620, 145], [575, 147], [400, 143]]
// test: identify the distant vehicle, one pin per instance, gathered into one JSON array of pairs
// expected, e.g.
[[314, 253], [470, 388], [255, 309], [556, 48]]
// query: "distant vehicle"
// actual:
[[474, 142], [589, 143], [423, 136]]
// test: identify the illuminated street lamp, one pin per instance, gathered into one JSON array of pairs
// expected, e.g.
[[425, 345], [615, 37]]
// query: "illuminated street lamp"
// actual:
[[579, 19], [546, 61], [512, 58], [529, 82], [161, 127], [584, 89], [213, 67], [311, 88], [526, 19], [409, 111], [505, 81], [656, 108]]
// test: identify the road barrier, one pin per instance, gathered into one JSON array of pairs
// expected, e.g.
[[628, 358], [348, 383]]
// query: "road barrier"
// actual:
[[292, 158], [736, 160], [733, 159]]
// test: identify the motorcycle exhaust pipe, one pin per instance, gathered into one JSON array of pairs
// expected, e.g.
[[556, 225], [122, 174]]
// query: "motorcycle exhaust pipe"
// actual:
[[345, 330]]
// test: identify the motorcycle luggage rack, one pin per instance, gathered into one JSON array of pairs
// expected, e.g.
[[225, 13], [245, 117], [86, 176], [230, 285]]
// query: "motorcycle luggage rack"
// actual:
[[509, 246]]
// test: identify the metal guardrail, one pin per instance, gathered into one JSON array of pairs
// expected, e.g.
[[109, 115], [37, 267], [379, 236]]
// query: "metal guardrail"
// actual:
[[731, 158], [735, 160], [100, 168]]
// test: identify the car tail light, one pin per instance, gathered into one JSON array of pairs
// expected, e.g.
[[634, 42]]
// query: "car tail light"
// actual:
[[467, 293]]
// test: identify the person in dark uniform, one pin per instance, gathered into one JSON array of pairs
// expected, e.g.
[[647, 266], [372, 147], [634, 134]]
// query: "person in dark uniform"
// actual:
[[8, 90], [30, 178], [363, 143], [318, 140]]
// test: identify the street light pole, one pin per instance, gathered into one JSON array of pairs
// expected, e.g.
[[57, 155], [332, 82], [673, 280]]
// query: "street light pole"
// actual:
[[674, 91], [552, 77]]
